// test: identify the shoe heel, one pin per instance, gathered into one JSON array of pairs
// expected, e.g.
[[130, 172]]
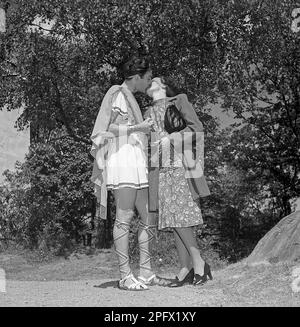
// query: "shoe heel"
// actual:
[[207, 271], [190, 276]]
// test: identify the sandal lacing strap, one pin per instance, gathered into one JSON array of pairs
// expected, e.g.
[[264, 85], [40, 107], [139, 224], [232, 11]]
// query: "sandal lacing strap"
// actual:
[[154, 280], [135, 286], [122, 230], [143, 245], [147, 281]]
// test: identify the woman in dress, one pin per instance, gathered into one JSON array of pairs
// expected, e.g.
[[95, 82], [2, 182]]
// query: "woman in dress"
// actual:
[[180, 182], [119, 148]]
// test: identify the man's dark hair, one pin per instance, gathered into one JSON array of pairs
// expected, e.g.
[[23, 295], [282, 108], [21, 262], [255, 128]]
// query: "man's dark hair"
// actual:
[[135, 65]]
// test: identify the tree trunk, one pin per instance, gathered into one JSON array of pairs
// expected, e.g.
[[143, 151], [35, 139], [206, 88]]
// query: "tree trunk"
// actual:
[[280, 244], [104, 235]]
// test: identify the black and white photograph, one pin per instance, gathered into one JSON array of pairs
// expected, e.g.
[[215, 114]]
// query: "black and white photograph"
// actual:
[[150, 156]]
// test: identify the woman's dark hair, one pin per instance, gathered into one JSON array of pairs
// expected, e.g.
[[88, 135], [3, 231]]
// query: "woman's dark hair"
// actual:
[[173, 119], [171, 89], [135, 65]]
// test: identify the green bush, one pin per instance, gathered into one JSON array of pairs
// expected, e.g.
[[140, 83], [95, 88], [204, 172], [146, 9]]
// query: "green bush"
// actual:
[[45, 201]]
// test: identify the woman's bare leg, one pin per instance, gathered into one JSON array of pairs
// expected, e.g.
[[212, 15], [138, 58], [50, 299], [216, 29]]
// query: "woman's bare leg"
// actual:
[[184, 256], [146, 232], [125, 200], [187, 236]]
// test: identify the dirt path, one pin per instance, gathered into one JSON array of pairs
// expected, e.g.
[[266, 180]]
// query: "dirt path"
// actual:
[[103, 293], [84, 282]]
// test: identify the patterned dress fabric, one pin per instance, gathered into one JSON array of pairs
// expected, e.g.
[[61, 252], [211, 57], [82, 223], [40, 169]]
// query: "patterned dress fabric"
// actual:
[[176, 206]]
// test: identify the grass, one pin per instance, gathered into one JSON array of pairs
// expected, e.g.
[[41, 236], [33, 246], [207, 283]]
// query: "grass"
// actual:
[[233, 285], [89, 263]]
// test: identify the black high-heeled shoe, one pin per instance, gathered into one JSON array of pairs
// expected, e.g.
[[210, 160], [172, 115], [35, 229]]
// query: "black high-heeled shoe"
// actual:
[[188, 279], [200, 280]]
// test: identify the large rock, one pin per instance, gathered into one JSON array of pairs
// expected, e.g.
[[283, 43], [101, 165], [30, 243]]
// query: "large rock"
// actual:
[[280, 244]]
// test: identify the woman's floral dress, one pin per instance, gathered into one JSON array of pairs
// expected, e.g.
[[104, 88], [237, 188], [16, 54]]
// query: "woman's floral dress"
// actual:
[[176, 206]]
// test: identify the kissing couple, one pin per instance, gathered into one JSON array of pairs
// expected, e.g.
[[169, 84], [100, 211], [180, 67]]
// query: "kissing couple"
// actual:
[[154, 163]]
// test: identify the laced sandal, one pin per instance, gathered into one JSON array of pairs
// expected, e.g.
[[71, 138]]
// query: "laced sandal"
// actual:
[[154, 280], [134, 286], [145, 254], [122, 231]]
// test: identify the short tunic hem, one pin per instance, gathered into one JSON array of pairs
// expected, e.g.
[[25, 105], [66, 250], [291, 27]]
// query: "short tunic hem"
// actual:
[[169, 228], [123, 185]]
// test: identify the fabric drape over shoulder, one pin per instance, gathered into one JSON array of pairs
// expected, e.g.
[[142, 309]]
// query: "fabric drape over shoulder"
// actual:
[[190, 143], [100, 141]]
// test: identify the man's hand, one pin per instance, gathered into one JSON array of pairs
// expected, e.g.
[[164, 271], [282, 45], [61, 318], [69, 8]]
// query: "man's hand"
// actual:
[[144, 127], [164, 141]]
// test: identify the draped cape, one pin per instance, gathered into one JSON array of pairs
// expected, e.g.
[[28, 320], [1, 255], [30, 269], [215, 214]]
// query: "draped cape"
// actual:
[[101, 140]]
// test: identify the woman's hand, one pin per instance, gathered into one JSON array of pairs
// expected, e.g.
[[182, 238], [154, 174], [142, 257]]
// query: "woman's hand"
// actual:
[[144, 127], [163, 142]]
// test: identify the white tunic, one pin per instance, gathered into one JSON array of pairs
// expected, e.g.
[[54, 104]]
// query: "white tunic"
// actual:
[[126, 161]]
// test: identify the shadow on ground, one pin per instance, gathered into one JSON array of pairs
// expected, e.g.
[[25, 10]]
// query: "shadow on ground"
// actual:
[[113, 284]]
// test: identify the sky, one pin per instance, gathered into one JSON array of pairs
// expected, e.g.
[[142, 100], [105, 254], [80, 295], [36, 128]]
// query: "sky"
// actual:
[[13, 144], [225, 118]]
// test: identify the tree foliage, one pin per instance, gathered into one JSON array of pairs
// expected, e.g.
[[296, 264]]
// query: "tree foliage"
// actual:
[[50, 195], [59, 58], [261, 85]]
